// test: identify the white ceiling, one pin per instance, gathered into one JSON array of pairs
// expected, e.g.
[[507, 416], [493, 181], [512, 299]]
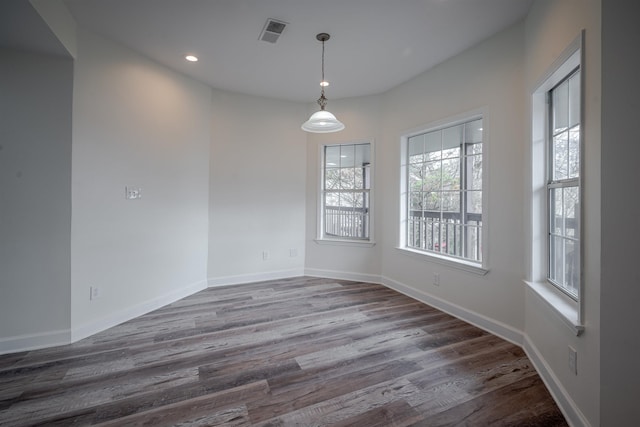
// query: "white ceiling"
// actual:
[[374, 45]]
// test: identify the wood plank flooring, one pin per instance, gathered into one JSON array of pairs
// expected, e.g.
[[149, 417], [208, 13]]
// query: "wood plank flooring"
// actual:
[[296, 352]]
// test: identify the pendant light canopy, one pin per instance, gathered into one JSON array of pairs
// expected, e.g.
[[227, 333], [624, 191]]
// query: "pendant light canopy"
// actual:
[[322, 121]]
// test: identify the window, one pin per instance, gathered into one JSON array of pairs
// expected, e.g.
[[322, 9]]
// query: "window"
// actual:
[[444, 191], [557, 131], [346, 187], [563, 185]]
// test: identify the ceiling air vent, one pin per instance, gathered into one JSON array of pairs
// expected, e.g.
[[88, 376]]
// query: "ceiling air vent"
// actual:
[[272, 30]]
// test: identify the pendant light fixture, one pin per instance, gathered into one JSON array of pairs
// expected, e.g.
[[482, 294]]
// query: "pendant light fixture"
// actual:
[[322, 121]]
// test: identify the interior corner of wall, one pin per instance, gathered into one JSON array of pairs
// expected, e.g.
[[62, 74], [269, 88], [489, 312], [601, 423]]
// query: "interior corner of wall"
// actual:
[[56, 15]]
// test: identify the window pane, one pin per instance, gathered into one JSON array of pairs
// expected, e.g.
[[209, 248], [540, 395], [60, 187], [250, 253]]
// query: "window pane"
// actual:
[[451, 201], [332, 199], [347, 179], [561, 108], [451, 174], [433, 145], [358, 177], [574, 152], [473, 132], [416, 149], [474, 172], [358, 200], [332, 179], [560, 157], [415, 177], [556, 218], [474, 202], [473, 243], [432, 176], [416, 200], [570, 208], [434, 236], [451, 239], [363, 155], [451, 141], [347, 156], [574, 99], [432, 201], [572, 267], [367, 176], [556, 259], [332, 156]]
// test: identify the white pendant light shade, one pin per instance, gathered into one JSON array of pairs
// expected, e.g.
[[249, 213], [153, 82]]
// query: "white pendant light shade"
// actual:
[[322, 122]]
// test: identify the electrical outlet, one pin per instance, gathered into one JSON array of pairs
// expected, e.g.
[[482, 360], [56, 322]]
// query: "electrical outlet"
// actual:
[[265, 255], [436, 279], [293, 252], [573, 360], [94, 293]]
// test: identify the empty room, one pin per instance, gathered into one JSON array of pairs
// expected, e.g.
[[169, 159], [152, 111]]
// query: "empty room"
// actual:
[[297, 213]]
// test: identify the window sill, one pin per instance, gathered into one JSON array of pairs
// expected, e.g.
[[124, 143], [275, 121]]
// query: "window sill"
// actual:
[[563, 306], [344, 242], [457, 264]]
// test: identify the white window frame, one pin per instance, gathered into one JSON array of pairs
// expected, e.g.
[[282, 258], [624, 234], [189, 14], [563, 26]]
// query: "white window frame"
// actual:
[[322, 237], [450, 261], [569, 309]]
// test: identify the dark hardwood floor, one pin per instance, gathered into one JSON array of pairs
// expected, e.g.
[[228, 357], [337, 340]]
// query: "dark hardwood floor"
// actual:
[[295, 352]]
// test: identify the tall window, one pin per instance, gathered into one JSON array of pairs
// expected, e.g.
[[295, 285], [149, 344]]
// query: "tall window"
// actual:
[[563, 184], [444, 186], [346, 187]]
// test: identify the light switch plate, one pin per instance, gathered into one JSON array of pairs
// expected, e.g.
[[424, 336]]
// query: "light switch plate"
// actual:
[[132, 193]]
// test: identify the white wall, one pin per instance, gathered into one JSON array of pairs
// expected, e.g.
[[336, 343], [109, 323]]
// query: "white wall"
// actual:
[[35, 199], [620, 347], [487, 77], [135, 123], [257, 188], [363, 119], [550, 27]]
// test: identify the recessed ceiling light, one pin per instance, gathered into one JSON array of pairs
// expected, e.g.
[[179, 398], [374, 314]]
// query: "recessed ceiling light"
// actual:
[[191, 58]]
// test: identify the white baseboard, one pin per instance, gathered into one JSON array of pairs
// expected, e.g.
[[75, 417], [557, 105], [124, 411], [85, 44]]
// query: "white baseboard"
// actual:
[[343, 275], [254, 277], [129, 313], [569, 409], [28, 342]]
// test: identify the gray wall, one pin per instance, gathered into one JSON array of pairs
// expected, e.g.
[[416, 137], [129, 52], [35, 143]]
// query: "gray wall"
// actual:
[[620, 295], [35, 197]]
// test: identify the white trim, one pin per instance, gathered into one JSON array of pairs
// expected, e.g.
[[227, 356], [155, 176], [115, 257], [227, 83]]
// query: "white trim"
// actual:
[[565, 308], [495, 327], [343, 275], [132, 312], [28, 342], [459, 264], [344, 242], [253, 277], [567, 405]]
